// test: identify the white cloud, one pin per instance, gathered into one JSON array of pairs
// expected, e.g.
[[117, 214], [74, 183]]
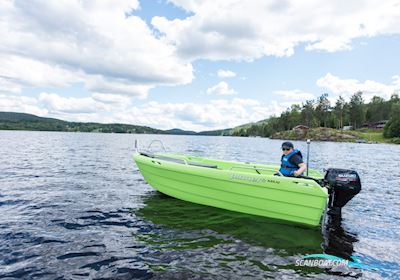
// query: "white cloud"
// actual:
[[112, 99], [222, 88], [396, 81], [23, 104], [214, 114], [55, 103], [58, 43], [347, 87], [17, 72], [295, 95], [107, 85], [226, 73], [7, 85], [246, 30]]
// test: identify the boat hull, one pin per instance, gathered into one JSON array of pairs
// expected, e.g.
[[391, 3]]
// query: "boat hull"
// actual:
[[290, 199]]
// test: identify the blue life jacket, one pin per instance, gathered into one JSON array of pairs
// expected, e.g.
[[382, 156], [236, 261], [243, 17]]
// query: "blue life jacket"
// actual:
[[287, 168]]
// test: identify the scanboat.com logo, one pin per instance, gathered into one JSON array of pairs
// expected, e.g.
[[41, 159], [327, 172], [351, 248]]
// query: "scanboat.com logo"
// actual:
[[325, 260]]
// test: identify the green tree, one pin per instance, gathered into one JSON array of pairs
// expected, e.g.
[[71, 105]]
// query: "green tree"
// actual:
[[295, 115], [393, 101], [392, 127], [339, 112], [395, 98], [378, 109], [356, 110], [322, 110], [284, 121], [308, 113]]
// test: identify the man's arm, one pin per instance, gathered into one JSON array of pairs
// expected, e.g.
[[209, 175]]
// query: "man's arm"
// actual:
[[298, 161], [302, 168]]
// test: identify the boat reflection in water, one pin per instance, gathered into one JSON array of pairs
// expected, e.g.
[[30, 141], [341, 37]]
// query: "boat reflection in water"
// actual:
[[337, 241], [183, 224]]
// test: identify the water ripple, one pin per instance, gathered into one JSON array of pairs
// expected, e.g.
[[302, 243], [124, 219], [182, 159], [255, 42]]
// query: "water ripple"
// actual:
[[74, 206]]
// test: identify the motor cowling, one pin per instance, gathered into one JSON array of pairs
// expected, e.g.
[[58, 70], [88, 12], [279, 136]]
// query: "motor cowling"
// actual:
[[344, 185]]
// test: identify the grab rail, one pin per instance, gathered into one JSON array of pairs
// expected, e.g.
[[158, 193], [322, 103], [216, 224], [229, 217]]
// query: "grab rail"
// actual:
[[280, 174], [252, 168], [257, 168], [157, 141], [263, 163]]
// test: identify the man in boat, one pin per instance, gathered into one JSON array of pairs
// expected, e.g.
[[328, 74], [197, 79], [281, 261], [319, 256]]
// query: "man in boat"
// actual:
[[292, 164]]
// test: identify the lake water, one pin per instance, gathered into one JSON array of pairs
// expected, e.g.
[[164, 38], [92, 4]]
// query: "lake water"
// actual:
[[74, 206]]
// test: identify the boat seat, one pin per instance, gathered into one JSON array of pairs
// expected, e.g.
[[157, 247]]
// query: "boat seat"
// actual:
[[151, 155], [176, 160]]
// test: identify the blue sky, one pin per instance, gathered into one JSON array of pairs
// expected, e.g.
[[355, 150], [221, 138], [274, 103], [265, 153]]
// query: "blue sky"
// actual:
[[156, 63], [374, 59]]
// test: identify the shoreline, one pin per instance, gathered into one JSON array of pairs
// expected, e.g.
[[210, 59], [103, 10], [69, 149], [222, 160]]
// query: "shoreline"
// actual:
[[357, 136], [361, 136]]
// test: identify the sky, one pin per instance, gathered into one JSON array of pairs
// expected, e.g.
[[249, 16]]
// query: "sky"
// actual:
[[192, 64]]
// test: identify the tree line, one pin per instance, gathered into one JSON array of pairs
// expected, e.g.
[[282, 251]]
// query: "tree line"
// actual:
[[22, 121], [321, 113]]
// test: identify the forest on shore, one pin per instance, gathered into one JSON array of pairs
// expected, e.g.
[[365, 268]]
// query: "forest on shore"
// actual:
[[23, 121], [354, 114]]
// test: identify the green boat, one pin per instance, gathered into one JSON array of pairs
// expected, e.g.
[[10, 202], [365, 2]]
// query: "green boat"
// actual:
[[243, 187]]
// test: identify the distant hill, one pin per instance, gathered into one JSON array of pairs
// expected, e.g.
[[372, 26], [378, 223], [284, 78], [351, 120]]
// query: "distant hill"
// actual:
[[23, 121], [178, 131], [248, 128], [221, 132], [11, 116]]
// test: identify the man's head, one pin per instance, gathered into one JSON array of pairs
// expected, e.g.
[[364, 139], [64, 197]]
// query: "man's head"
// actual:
[[287, 147]]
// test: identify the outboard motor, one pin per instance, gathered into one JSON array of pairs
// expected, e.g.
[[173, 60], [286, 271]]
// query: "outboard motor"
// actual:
[[343, 185]]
